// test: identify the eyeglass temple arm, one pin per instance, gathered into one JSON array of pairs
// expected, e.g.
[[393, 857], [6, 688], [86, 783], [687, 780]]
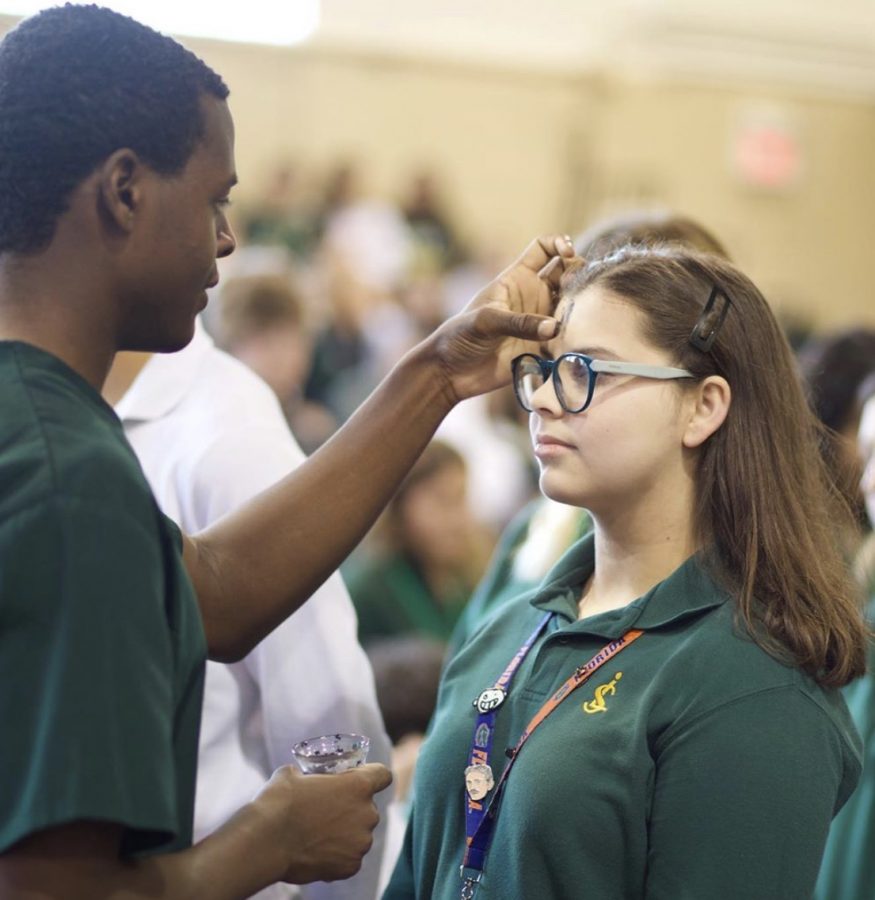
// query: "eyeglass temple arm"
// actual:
[[642, 369]]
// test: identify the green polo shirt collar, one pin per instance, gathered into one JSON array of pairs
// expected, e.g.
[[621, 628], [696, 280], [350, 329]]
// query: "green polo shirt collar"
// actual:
[[689, 590]]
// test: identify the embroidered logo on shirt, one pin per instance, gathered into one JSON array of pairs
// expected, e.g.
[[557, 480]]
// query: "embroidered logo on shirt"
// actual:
[[597, 704]]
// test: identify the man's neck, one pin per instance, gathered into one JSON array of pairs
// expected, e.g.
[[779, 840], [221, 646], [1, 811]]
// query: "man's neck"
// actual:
[[78, 347], [61, 300], [125, 369]]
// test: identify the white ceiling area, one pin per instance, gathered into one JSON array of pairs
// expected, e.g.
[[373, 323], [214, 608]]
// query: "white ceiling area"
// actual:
[[820, 45], [830, 45]]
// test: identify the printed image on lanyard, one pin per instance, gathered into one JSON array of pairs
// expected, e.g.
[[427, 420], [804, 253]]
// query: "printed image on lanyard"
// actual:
[[481, 814], [479, 780]]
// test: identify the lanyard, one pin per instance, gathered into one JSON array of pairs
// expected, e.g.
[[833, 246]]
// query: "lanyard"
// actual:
[[480, 821], [487, 705]]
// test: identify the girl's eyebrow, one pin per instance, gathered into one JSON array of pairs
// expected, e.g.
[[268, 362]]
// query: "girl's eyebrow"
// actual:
[[596, 352]]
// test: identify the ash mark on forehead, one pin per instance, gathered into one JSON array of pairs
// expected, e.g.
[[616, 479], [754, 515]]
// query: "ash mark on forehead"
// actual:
[[563, 313]]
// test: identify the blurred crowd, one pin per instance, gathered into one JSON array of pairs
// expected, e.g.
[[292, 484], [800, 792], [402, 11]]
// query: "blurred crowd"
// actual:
[[163, 529], [329, 288], [331, 285]]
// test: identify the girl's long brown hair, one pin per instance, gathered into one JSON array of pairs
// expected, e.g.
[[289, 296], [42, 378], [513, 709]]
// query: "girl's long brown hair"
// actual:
[[766, 505]]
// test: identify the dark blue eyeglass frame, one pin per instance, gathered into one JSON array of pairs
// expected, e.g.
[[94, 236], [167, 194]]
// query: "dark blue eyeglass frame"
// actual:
[[549, 372]]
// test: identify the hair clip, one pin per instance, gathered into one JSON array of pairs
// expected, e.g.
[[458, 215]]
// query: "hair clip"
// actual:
[[710, 322]]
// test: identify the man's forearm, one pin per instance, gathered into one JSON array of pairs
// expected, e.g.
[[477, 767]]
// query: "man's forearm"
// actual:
[[255, 567], [80, 862], [300, 828]]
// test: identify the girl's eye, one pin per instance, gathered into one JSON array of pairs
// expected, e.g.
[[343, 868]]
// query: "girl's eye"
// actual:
[[577, 370]]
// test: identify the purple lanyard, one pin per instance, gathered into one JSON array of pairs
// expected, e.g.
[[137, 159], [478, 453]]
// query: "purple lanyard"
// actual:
[[478, 775], [480, 814]]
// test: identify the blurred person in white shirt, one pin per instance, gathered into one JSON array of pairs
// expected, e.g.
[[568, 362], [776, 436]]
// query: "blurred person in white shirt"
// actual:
[[210, 435]]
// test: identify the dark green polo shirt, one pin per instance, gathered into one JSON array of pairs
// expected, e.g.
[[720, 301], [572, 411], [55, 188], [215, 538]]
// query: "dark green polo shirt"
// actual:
[[712, 773], [101, 644], [501, 583], [392, 598], [848, 868]]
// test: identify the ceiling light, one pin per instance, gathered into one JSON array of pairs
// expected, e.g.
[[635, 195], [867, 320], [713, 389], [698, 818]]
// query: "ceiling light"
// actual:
[[254, 22]]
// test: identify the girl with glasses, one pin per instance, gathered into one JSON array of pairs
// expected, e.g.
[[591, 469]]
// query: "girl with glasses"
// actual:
[[541, 532], [660, 715]]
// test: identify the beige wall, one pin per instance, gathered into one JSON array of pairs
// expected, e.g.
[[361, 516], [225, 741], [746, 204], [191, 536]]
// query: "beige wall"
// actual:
[[811, 247], [497, 138], [525, 152]]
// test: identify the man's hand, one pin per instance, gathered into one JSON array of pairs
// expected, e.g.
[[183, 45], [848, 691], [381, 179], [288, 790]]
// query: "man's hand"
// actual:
[[247, 579], [300, 828], [322, 824], [513, 311]]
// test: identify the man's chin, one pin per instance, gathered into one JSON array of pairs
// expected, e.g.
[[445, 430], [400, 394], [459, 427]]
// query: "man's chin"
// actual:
[[164, 341]]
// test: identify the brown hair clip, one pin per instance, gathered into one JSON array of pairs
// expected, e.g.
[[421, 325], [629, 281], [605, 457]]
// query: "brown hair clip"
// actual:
[[711, 320]]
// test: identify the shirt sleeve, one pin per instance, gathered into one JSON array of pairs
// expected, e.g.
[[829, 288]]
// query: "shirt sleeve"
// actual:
[[743, 797], [86, 658]]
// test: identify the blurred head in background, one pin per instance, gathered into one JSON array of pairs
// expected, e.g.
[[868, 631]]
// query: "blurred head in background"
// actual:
[[430, 518], [646, 227], [834, 367], [866, 442], [261, 323]]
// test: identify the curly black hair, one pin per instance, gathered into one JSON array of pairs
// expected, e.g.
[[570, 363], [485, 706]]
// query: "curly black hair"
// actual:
[[76, 84]]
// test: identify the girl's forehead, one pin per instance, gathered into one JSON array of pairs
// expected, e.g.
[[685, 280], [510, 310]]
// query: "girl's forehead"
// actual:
[[563, 311], [596, 317]]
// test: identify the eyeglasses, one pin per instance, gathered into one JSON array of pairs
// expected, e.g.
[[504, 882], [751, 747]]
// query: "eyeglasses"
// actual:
[[574, 376]]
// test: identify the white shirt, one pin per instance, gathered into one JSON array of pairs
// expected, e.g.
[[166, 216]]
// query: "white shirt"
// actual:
[[210, 435]]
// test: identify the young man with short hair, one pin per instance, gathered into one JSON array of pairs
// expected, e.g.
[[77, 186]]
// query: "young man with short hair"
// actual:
[[116, 160]]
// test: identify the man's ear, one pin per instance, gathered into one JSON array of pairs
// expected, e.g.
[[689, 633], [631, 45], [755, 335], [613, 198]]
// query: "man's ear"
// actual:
[[120, 189], [712, 399]]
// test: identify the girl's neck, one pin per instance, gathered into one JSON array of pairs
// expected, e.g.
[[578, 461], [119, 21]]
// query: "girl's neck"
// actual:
[[629, 561]]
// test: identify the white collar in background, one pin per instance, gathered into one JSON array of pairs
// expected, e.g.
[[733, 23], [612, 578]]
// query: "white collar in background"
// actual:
[[165, 380]]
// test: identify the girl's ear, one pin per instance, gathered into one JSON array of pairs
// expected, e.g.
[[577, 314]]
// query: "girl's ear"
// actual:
[[712, 400]]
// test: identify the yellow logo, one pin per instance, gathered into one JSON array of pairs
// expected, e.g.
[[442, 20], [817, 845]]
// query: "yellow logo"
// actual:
[[597, 704]]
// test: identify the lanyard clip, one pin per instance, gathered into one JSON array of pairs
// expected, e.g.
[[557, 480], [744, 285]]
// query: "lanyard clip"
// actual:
[[469, 882]]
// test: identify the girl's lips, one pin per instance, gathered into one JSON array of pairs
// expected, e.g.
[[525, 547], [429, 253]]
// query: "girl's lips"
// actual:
[[548, 440], [547, 446]]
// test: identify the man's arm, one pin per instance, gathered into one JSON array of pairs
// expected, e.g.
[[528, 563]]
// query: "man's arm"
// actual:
[[249, 448], [299, 829], [255, 567]]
